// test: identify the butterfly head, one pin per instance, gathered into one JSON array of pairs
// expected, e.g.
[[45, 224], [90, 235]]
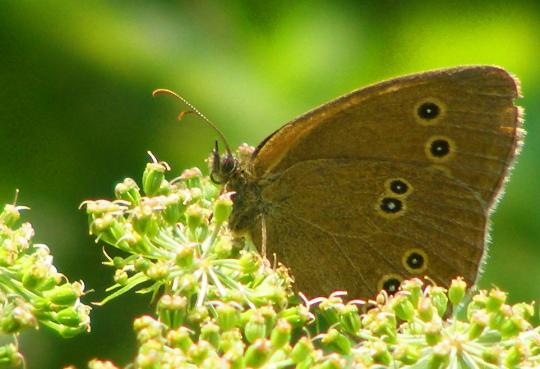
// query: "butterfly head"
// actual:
[[223, 167]]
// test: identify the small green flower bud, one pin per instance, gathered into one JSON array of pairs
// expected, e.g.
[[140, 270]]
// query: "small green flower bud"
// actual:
[[407, 354], [258, 353], [498, 318], [516, 355], [425, 309], [457, 291], [153, 176], [166, 188], [302, 350], [144, 322], [269, 315], [195, 218], [432, 333], [118, 262], [231, 341], [384, 325], [198, 315], [142, 264], [195, 194], [440, 355], [513, 326], [9, 356], [380, 354], [65, 294], [337, 342], [34, 276], [69, 317], [334, 361], [308, 363], [492, 355], [148, 334], [192, 177], [223, 248], [414, 289], [228, 317], [180, 338], [149, 358], [199, 351], [70, 332], [479, 321], [222, 209], [187, 284], [526, 311], [158, 271], [49, 282], [128, 191], [144, 220], [10, 215], [121, 277], [7, 258], [349, 319], [255, 328], [249, 263], [439, 299], [186, 256], [172, 310], [329, 308], [16, 318], [281, 334], [297, 316], [174, 208], [403, 308], [210, 333], [495, 300], [234, 359], [478, 302]]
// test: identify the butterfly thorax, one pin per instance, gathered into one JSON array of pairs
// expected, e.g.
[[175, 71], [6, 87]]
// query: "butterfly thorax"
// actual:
[[247, 202]]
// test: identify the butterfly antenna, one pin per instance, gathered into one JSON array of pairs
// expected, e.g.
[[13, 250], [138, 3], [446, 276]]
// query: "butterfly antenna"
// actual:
[[195, 111]]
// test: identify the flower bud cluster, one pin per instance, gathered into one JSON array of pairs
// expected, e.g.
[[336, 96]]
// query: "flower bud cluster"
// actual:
[[172, 238], [33, 292], [220, 305]]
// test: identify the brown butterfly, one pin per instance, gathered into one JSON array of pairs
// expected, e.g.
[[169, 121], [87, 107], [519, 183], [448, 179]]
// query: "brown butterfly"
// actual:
[[391, 181]]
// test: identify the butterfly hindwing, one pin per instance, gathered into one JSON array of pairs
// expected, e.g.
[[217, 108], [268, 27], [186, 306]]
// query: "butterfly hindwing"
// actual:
[[349, 223]]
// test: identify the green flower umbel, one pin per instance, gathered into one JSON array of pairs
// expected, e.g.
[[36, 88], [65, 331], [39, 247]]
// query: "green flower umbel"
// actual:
[[32, 291], [220, 305]]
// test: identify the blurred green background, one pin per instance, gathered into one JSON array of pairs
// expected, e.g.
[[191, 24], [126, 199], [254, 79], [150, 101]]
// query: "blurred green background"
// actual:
[[76, 114]]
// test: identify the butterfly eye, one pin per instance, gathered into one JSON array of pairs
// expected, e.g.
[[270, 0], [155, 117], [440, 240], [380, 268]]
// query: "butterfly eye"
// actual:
[[228, 164], [415, 260], [390, 283], [428, 110]]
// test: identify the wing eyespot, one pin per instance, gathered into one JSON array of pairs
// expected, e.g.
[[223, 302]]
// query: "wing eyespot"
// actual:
[[390, 283], [390, 207], [429, 111], [440, 148], [398, 187], [415, 260]]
